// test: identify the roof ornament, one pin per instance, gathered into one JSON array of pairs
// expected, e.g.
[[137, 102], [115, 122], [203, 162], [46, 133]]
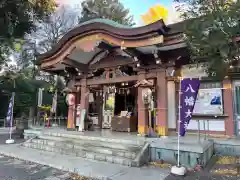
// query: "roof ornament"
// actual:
[[122, 47], [135, 59], [66, 72], [97, 43], [158, 61]]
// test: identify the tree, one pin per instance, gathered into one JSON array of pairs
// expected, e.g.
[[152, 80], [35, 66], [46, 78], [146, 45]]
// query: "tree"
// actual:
[[53, 28], [48, 33], [105, 9], [211, 28], [17, 17]]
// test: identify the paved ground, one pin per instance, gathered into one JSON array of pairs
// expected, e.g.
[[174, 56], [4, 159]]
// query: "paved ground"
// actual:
[[84, 167], [4, 137], [202, 176], [14, 169]]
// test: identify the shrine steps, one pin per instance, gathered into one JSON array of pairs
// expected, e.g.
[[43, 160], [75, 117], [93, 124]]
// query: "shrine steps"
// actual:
[[103, 149]]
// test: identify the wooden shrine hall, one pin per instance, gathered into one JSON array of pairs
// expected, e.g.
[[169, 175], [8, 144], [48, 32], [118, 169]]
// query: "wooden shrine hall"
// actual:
[[117, 75]]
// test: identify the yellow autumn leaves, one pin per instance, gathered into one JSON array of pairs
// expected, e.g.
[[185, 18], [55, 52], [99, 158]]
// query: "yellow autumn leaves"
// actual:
[[154, 14]]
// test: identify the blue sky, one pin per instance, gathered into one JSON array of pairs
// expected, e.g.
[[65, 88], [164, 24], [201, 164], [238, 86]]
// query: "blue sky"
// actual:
[[136, 7], [139, 7]]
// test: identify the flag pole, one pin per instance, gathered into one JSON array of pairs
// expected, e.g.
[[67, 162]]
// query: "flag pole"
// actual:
[[10, 140], [11, 123], [179, 120], [179, 170]]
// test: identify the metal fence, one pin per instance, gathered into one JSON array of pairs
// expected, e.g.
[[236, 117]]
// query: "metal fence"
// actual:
[[59, 121]]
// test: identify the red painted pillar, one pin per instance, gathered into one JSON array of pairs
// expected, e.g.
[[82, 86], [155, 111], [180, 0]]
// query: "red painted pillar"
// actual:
[[142, 111], [228, 107], [84, 96], [162, 117]]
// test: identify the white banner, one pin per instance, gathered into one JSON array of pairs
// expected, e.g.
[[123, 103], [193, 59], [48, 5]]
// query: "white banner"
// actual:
[[54, 103], [40, 96]]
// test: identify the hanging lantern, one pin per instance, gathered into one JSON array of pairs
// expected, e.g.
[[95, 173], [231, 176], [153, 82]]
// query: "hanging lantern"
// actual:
[[70, 99]]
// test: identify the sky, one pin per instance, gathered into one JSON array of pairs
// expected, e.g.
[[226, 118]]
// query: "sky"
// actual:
[[138, 8]]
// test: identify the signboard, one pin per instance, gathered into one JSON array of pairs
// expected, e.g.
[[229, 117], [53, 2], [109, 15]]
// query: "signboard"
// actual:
[[209, 101], [82, 118]]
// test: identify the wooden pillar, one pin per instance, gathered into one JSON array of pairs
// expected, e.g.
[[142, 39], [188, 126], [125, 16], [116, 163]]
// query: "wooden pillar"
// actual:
[[99, 99], [142, 111], [228, 107], [84, 95], [162, 105], [71, 112]]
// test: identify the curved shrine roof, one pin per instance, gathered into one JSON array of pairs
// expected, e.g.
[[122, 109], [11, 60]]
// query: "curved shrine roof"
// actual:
[[110, 28]]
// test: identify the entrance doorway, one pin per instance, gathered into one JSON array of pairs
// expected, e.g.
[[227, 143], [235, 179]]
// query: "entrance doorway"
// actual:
[[119, 107]]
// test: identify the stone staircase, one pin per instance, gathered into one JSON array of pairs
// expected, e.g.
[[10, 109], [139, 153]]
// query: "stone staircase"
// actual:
[[118, 151]]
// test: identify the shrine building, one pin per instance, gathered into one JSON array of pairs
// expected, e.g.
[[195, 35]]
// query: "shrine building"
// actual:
[[127, 79]]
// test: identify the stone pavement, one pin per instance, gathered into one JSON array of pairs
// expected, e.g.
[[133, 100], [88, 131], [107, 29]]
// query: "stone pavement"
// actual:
[[14, 169], [84, 167], [16, 137]]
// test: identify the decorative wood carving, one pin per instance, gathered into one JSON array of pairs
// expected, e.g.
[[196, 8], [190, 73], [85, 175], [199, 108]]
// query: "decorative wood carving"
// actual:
[[79, 42]]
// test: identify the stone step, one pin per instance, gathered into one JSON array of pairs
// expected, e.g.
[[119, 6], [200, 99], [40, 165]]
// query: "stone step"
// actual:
[[83, 154], [95, 143], [136, 142], [87, 147]]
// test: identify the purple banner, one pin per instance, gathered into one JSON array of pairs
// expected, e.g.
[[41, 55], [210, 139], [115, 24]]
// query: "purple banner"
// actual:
[[189, 91]]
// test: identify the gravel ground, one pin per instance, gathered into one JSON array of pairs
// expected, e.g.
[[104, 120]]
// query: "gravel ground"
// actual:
[[219, 168], [14, 169]]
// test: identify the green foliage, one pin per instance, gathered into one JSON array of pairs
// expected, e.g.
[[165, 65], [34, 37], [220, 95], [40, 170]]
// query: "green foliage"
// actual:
[[106, 9], [210, 29], [25, 90], [24, 86], [18, 17]]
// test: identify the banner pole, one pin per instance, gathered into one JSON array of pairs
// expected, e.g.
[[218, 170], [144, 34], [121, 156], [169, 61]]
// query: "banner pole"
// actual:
[[10, 140], [11, 124], [179, 121]]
